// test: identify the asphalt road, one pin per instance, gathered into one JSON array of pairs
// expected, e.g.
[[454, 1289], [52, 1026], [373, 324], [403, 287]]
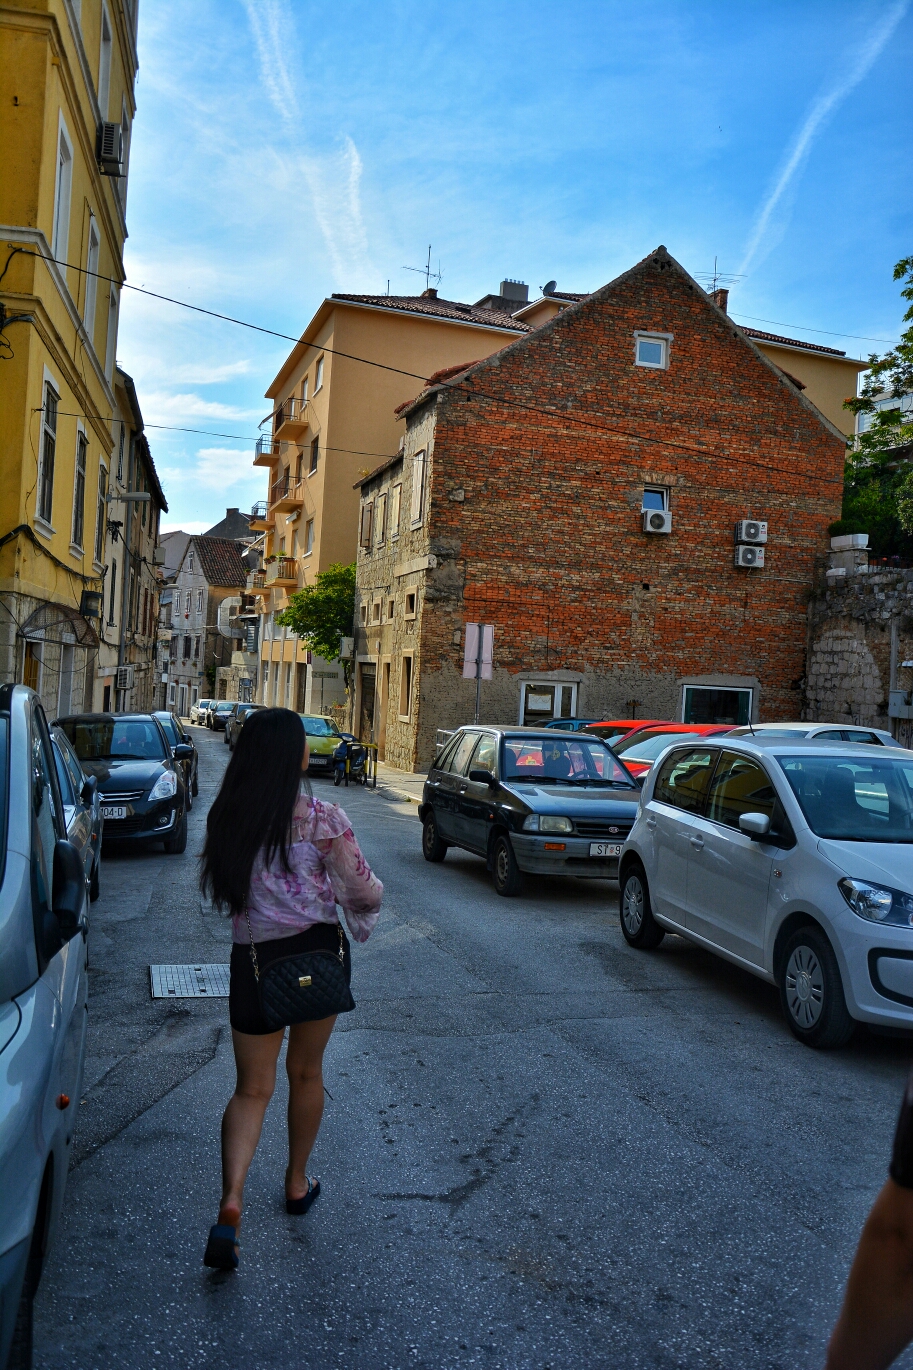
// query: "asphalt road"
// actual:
[[542, 1149]]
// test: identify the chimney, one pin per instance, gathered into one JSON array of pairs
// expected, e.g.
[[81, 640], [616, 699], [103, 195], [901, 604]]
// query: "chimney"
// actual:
[[229, 512], [430, 293], [720, 298], [515, 290]]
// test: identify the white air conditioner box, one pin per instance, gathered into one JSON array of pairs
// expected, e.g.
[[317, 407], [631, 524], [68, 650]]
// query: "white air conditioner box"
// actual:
[[123, 680], [749, 556], [657, 521], [750, 530]]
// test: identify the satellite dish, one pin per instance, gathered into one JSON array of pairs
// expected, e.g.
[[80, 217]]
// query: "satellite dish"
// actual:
[[549, 287]]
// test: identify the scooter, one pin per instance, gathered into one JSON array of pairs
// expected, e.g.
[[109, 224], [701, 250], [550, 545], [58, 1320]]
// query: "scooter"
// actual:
[[349, 761]]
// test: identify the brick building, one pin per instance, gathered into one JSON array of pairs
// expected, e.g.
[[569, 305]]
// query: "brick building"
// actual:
[[518, 498]]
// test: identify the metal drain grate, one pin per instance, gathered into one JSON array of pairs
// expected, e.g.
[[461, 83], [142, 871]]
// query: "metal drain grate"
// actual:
[[189, 982]]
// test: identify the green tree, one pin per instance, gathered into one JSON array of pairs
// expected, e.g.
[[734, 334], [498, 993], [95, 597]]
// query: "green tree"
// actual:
[[321, 614], [878, 481]]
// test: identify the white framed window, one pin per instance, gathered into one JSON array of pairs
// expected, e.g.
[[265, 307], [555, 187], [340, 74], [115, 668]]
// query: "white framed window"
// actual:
[[652, 350], [405, 689], [309, 537], [655, 497], [172, 689], [190, 563], [88, 310], [77, 531], [304, 391], [318, 375], [418, 486], [104, 63], [101, 514], [200, 601], [62, 190], [187, 602], [111, 342], [542, 700], [380, 520], [396, 501], [48, 453]]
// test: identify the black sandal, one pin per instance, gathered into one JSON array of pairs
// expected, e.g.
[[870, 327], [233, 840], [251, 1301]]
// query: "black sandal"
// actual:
[[221, 1253], [298, 1206]]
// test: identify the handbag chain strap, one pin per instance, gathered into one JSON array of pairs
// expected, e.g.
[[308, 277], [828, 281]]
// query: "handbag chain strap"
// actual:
[[253, 950]]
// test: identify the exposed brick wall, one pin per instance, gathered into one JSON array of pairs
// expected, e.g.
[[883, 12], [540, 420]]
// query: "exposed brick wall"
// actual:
[[535, 520]]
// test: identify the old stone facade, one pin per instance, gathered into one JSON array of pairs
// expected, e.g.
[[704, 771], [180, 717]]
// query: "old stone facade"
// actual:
[[524, 484], [211, 571]]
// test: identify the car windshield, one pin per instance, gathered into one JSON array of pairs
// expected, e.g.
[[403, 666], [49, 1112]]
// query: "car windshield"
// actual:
[[114, 739], [319, 727], [646, 746], [224, 706], [167, 723], [854, 800], [560, 761]]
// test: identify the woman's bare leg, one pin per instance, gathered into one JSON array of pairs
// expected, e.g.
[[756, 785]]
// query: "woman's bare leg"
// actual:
[[242, 1122], [304, 1063]]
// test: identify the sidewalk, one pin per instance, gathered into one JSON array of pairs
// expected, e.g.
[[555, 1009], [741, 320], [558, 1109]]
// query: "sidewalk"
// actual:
[[400, 784]]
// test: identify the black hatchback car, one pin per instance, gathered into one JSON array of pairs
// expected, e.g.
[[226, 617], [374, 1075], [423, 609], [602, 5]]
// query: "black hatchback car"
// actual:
[[140, 776], [529, 800]]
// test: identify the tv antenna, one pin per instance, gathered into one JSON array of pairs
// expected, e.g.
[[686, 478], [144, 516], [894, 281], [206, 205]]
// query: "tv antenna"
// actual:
[[717, 277], [426, 271]]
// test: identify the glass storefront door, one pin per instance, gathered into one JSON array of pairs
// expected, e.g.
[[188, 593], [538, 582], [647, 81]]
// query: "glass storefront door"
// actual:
[[541, 701]]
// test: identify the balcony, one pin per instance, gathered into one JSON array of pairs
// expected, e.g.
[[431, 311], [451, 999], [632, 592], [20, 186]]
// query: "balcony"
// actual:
[[268, 449], [256, 583], [259, 517], [290, 418], [287, 494], [282, 571]]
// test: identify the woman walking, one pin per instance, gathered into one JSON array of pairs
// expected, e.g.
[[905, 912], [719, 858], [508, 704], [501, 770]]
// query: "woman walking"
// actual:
[[279, 861]]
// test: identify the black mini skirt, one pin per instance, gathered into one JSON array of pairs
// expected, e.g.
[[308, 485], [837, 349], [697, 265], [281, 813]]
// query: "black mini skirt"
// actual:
[[243, 999]]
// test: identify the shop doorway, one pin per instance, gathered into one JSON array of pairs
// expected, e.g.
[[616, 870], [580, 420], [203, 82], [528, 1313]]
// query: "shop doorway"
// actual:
[[367, 693], [541, 701]]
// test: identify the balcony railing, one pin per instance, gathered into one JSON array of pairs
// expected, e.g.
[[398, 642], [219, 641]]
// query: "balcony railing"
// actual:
[[260, 509], [268, 446], [290, 411], [282, 571], [286, 493], [256, 582]]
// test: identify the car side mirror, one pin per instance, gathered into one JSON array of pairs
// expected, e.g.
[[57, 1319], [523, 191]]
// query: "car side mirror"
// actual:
[[69, 891], [87, 793], [482, 777], [187, 738], [754, 824], [182, 752]]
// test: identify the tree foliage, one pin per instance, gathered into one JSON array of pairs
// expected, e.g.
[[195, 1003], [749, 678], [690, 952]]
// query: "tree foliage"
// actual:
[[878, 480], [321, 614]]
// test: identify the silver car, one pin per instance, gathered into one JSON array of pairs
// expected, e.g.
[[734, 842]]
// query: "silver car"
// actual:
[[830, 732], [793, 859], [44, 898]]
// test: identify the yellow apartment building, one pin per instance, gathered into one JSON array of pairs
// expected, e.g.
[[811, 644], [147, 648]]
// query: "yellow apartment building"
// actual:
[[333, 419], [67, 76]]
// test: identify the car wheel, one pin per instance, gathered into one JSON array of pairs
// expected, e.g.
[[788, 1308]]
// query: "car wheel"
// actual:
[[639, 928], [94, 884], [434, 848], [175, 845], [504, 869], [188, 797], [195, 786], [811, 991]]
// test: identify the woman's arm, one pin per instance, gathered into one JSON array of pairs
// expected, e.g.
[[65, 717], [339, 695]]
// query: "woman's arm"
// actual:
[[876, 1321], [356, 888]]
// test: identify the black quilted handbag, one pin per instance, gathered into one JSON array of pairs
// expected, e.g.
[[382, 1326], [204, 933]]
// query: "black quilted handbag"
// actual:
[[302, 987]]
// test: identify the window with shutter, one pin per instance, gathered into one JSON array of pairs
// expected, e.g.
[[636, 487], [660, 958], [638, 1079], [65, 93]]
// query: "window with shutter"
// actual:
[[418, 487]]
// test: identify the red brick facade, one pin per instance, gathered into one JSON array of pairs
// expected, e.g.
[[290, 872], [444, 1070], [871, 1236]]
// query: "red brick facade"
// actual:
[[537, 459]]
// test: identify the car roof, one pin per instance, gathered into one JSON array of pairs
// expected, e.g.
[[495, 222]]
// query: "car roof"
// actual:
[[519, 730], [812, 746], [114, 718]]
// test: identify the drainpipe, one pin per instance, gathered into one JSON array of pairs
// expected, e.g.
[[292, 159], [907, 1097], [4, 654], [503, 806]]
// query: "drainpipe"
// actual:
[[126, 565]]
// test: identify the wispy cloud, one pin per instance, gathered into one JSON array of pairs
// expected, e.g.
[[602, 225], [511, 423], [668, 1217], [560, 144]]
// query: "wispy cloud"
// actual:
[[160, 407], [214, 468], [821, 109], [273, 29], [335, 186]]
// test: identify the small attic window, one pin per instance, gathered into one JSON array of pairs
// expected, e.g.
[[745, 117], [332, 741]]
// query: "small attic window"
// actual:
[[652, 350]]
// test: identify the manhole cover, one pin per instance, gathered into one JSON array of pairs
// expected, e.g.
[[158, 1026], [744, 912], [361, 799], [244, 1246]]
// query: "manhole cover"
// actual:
[[189, 982]]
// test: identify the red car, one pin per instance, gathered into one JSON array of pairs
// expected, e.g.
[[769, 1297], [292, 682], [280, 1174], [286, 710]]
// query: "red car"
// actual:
[[612, 732], [641, 748]]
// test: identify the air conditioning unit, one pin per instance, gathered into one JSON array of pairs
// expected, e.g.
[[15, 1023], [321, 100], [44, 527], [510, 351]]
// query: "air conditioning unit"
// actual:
[[657, 521], [109, 149], [158, 555], [123, 680], [749, 556], [750, 530]]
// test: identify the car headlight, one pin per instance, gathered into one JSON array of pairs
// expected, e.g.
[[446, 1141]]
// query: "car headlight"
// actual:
[[546, 822], [877, 903], [165, 786]]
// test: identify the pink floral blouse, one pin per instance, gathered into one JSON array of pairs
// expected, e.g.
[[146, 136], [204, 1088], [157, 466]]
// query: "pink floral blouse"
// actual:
[[327, 868]]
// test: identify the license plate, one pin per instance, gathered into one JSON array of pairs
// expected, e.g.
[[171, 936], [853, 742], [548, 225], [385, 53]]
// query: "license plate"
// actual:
[[605, 848], [319, 761], [114, 811]]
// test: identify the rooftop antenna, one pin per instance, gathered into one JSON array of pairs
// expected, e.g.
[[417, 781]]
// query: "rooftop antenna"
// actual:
[[717, 278], [426, 271]]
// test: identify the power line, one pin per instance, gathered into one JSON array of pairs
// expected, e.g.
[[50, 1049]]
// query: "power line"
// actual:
[[803, 328]]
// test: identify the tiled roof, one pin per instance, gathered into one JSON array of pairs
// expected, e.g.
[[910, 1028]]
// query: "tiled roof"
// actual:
[[562, 295], [439, 309], [791, 342], [220, 561], [446, 373]]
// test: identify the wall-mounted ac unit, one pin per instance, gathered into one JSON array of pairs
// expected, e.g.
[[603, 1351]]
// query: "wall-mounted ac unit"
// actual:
[[158, 555], [750, 530], [749, 556], [657, 521], [123, 680], [109, 149]]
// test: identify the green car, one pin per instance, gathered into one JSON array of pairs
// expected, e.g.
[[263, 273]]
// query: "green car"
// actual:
[[323, 738]]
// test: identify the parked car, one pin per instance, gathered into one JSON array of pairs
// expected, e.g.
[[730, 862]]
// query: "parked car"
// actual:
[[199, 710], [791, 858], [323, 738], [81, 807], [217, 714], [528, 800], [641, 748], [174, 731], [235, 722], [570, 725], [612, 731], [830, 731], [140, 776], [43, 1007]]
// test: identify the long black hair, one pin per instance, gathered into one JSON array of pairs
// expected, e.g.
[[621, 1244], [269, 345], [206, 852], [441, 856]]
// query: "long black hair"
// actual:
[[253, 809]]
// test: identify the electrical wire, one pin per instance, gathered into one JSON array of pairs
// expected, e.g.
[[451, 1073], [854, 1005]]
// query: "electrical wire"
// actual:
[[804, 328]]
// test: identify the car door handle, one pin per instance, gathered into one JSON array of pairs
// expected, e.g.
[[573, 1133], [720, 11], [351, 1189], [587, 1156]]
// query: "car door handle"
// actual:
[[463, 789], [650, 822], [696, 842]]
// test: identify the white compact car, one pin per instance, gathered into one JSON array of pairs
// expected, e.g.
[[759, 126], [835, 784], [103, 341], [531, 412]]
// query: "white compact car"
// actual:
[[830, 732], [793, 859]]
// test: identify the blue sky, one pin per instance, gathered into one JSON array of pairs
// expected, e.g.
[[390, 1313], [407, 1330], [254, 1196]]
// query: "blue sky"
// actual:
[[283, 150]]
